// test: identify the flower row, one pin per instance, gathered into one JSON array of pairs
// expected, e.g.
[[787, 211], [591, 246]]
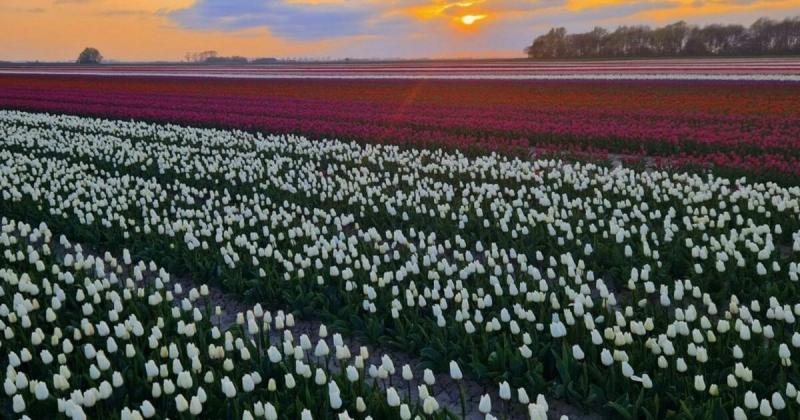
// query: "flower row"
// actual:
[[754, 129]]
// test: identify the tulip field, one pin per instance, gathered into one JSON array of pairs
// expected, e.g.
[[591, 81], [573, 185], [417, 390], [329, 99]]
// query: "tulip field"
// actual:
[[741, 127], [479, 282]]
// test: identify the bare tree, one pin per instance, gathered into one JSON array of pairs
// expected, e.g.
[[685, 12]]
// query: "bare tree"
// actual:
[[201, 57]]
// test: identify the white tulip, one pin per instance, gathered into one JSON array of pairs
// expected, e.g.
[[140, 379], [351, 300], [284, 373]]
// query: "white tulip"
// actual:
[[577, 352], [455, 371], [485, 405], [41, 391], [392, 398], [764, 408], [181, 404]]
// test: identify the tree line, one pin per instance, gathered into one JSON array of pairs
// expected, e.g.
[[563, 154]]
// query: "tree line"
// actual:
[[212, 57], [764, 37]]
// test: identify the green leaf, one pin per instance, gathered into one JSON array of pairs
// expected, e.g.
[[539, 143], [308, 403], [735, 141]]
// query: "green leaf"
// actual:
[[622, 411]]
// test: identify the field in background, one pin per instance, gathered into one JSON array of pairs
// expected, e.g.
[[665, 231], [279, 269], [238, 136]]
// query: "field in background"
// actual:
[[749, 127], [785, 69]]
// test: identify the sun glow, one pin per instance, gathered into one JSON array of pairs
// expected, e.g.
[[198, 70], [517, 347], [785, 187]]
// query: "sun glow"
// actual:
[[470, 19]]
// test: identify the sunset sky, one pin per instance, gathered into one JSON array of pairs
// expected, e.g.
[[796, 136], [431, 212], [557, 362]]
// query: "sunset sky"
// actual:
[[138, 30]]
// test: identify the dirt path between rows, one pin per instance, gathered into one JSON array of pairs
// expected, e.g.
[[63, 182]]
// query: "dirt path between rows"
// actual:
[[445, 389]]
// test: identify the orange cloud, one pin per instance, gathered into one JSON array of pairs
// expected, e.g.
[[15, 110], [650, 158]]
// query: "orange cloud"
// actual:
[[682, 9], [148, 30], [718, 8], [121, 31], [436, 9]]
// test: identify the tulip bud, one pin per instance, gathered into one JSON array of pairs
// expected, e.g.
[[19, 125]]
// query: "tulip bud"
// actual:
[[147, 409], [750, 400], [485, 405], [505, 391], [405, 412], [181, 404], [777, 401], [270, 413], [392, 398], [41, 391], [739, 414], [407, 374], [764, 408], [427, 377], [577, 352], [18, 404], [455, 371]]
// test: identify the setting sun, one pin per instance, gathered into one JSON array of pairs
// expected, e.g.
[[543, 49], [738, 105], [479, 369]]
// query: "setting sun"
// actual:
[[470, 19]]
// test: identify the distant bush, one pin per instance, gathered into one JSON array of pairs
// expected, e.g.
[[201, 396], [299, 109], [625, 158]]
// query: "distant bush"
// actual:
[[90, 56], [266, 60], [225, 60]]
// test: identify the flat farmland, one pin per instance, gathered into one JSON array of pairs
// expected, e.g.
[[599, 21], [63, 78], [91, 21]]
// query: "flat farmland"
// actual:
[[784, 69], [745, 126], [432, 240]]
